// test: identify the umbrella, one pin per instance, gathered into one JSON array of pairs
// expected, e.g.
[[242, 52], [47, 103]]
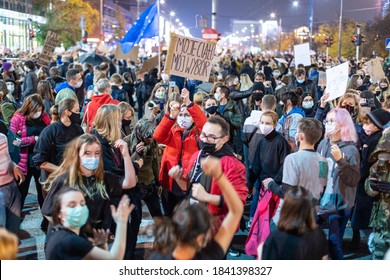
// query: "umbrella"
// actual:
[[93, 58]]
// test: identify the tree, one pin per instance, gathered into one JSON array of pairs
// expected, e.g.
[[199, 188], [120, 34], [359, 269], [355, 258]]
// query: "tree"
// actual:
[[64, 20], [348, 49], [376, 33]]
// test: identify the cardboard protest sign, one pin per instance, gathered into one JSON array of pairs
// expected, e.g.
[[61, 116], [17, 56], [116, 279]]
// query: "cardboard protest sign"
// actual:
[[48, 49], [336, 81], [302, 54], [375, 70], [149, 64], [190, 57], [131, 55]]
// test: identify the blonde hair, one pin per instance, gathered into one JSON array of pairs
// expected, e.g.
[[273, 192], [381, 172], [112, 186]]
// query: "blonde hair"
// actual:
[[108, 121], [200, 97], [71, 166], [125, 107], [8, 245]]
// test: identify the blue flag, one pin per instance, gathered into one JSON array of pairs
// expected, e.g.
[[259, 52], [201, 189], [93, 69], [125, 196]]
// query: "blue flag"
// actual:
[[145, 27]]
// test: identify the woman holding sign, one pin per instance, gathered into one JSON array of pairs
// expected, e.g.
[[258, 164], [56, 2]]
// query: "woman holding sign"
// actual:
[[178, 130]]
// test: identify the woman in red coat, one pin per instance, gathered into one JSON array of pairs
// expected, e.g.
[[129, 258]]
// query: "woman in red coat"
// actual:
[[179, 131], [28, 122]]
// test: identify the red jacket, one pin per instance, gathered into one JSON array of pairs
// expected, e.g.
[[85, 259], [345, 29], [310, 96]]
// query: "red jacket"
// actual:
[[234, 170], [18, 125], [171, 135], [92, 107]]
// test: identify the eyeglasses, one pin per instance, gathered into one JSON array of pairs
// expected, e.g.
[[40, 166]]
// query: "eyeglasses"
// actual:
[[210, 138], [329, 122]]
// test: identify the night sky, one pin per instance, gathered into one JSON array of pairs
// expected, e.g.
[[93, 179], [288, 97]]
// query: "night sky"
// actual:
[[325, 11]]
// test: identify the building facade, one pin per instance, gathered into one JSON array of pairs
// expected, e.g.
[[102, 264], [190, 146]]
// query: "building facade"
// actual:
[[16, 18]]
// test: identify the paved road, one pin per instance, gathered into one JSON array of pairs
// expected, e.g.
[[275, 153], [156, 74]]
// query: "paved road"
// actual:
[[33, 239]]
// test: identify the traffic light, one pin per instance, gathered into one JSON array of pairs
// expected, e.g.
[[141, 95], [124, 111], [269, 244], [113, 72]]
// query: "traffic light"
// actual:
[[85, 37], [358, 39], [31, 34], [328, 42], [353, 39]]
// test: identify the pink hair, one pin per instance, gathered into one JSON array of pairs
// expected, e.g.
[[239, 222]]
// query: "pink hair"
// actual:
[[347, 127]]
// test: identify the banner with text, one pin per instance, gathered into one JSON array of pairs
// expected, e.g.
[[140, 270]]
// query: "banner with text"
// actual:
[[189, 57], [48, 49], [337, 81]]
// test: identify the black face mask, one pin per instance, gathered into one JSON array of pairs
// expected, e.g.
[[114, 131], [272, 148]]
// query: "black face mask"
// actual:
[[257, 96], [126, 122], [212, 109], [75, 118], [207, 147], [351, 111], [384, 88]]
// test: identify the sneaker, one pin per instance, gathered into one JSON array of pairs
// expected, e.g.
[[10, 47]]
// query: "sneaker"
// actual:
[[233, 252]]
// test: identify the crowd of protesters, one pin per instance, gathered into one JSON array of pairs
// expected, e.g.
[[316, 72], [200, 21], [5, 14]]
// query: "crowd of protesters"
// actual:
[[100, 139]]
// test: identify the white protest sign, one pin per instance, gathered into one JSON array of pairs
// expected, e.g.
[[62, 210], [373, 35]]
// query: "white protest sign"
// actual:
[[281, 60], [189, 57], [302, 54], [336, 81], [375, 70]]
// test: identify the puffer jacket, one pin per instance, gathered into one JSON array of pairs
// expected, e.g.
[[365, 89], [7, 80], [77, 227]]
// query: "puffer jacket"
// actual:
[[171, 135], [18, 126]]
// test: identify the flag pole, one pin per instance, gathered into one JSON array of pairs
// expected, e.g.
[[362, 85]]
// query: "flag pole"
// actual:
[[158, 36]]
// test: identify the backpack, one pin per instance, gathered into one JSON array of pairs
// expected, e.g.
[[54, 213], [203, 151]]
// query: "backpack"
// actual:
[[14, 144]]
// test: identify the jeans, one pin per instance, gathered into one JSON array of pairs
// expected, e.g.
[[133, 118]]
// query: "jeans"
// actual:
[[337, 223], [10, 210], [25, 185], [255, 199]]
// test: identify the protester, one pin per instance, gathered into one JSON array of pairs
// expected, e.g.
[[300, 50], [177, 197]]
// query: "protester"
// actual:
[[339, 149], [70, 214], [189, 234], [297, 237]]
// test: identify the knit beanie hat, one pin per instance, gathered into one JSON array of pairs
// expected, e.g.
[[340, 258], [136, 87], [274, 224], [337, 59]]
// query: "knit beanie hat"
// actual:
[[7, 66], [258, 86], [379, 117]]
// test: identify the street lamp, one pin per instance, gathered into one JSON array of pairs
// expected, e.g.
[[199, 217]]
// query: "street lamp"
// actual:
[[295, 4], [172, 13], [273, 16]]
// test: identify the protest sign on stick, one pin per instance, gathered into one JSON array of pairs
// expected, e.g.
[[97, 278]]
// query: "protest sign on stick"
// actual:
[[48, 49], [190, 57], [302, 54], [336, 81]]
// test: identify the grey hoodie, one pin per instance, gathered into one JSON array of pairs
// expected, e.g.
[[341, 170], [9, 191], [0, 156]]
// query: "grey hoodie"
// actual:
[[343, 177]]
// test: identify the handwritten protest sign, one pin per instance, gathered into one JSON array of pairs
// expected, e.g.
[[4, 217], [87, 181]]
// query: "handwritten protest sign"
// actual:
[[189, 57], [131, 55], [302, 54], [336, 81], [48, 49], [149, 64], [375, 70]]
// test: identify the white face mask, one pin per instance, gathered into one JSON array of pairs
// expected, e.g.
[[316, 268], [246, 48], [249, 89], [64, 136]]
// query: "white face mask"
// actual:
[[36, 115], [184, 122], [217, 97], [11, 88], [307, 104], [160, 94], [79, 83], [265, 129], [331, 128], [26, 69]]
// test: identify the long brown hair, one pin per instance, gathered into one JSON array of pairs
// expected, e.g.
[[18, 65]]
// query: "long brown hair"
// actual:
[[71, 166], [31, 105], [297, 216], [44, 90]]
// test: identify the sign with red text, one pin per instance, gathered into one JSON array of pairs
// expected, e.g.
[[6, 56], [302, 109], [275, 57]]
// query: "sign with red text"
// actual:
[[189, 57]]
